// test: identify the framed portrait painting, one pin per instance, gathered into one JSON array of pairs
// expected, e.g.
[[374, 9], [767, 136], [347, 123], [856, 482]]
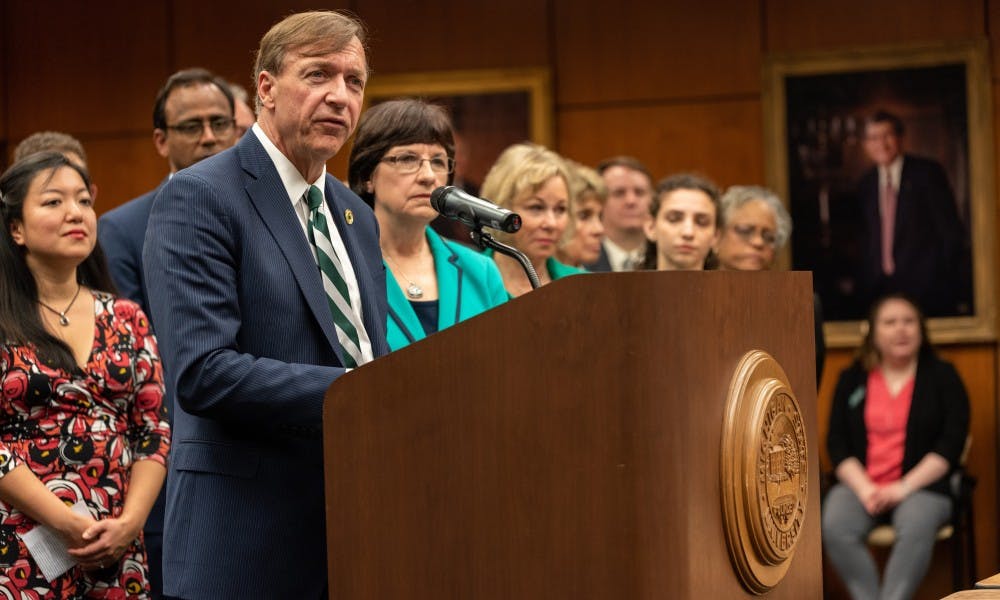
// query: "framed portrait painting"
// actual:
[[885, 159], [490, 110]]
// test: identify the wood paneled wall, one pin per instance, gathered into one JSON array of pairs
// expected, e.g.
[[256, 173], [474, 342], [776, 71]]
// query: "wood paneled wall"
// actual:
[[674, 83]]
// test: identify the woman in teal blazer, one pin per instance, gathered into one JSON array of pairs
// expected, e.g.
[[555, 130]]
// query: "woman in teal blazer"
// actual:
[[403, 150], [468, 284]]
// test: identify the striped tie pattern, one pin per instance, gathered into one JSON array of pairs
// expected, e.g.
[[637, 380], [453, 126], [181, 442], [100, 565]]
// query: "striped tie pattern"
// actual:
[[334, 283]]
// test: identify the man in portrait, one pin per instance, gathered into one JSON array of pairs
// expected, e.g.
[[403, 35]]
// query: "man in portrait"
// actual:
[[911, 239]]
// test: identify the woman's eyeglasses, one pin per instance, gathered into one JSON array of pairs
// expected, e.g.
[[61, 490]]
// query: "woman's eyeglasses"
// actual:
[[747, 233], [411, 163]]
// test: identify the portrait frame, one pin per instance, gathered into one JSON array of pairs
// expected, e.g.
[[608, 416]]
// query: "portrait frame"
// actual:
[[519, 101], [898, 71]]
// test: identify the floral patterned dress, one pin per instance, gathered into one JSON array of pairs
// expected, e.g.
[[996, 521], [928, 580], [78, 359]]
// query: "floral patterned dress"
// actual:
[[80, 432]]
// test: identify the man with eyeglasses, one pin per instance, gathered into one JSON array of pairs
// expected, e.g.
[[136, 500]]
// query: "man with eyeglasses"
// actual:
[[192, 120]]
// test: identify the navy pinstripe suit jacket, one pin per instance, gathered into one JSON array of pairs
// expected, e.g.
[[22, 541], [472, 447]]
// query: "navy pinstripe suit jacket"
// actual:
[[248, 339]]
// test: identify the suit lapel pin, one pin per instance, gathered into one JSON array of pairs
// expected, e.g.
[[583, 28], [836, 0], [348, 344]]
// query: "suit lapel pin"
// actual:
[[349, 216]]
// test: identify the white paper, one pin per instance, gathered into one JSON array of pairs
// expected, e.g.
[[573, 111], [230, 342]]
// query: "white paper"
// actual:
[[49, 549]]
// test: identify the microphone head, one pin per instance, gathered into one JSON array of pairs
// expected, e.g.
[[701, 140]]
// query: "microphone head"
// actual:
[[512, 223], [438, 197], [475, 212]]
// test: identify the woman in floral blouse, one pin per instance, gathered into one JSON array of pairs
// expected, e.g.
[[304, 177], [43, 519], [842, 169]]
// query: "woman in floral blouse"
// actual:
[[83, 433]]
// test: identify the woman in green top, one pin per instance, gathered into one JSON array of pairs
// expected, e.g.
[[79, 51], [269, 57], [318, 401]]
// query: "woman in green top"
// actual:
[[532, 181], [403, 150]]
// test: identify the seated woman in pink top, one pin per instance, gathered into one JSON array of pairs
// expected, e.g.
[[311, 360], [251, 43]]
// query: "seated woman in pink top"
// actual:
[[898, 424]]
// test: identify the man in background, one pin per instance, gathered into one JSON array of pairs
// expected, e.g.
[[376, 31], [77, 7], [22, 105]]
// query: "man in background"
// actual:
[[55, 141], [245, 116], [52, 141], [630, 190], [192, 120]]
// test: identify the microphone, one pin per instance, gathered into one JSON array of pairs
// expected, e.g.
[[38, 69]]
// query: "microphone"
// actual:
[[474, 212]]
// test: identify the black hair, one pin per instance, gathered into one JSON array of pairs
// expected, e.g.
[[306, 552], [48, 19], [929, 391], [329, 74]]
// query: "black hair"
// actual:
[[185, 78], [20, 321]]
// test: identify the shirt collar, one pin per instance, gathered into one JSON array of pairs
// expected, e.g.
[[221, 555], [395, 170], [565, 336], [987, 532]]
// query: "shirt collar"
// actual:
[[295, 184], [893, 173], [620, 258]]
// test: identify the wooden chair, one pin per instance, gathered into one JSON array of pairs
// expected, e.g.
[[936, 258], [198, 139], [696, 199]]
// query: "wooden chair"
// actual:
[[960, 530]]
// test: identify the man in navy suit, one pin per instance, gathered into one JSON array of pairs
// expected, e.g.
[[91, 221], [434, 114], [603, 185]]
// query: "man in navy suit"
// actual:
[[912, 239], [192, 120], [238, 261]]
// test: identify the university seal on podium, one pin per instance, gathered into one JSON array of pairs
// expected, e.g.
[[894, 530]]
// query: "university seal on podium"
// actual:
[[764, 472]]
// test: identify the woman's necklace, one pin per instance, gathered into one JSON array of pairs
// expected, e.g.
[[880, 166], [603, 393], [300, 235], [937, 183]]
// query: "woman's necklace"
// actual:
[[414, 291], [62, 315]]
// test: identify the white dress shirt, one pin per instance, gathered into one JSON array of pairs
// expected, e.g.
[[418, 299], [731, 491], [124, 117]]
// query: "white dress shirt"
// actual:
[[296, 187]]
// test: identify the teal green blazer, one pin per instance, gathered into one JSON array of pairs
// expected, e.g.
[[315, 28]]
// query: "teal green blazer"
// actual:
[[468, 284], [558, 270]]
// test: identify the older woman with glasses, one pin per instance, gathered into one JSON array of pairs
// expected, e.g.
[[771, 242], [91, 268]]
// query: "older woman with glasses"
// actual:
[[403, 150], [755, 225]]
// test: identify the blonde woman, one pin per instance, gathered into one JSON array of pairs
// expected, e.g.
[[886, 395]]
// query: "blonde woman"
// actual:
[[532, 181], [582, 242]]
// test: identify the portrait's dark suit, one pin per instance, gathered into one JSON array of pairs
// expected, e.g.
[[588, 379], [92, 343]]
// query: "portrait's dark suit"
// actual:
[[122, 233], [928, 243], [250, 346]]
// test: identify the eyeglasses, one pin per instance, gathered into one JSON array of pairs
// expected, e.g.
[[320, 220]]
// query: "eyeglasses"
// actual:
[[747, 233], [193, 128], [411, 163]]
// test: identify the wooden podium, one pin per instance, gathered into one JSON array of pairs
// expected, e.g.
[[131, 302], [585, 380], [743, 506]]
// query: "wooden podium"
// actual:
[[564, 445]]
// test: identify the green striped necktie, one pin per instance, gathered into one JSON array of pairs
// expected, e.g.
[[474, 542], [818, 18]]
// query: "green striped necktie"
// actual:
[[334, 282]]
